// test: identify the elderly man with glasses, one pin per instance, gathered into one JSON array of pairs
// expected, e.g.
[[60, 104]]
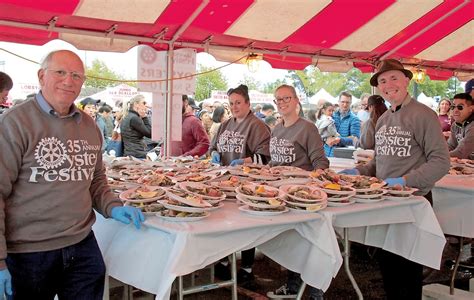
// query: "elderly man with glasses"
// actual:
[[461, 140]]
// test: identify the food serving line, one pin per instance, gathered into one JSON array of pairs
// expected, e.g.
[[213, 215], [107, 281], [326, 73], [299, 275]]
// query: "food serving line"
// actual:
[[304, 242]]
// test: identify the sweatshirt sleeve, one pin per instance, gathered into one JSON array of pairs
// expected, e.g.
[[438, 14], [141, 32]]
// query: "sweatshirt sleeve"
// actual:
[[431, 139], [259, 141], [10, 161], [103, 200], [465, 146], [315, 150]]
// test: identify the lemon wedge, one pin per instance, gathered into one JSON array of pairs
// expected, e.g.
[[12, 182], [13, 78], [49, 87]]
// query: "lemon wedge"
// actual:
[[260, 189], [312, 208], [333, 186], [145, 195], [246, 169], [274, 202]]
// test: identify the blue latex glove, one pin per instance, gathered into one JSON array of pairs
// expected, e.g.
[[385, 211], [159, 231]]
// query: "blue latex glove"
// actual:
[[125, 214], [236, 162], [395, 181], [5, 283], [350, 172], [215, 157]]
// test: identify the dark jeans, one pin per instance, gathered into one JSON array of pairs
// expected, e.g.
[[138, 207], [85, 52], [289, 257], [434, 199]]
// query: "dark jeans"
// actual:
[[73, 272], [294, 282], [402, 278], [248, 257]]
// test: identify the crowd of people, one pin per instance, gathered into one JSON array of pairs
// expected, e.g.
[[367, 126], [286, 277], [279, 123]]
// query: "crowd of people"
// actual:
[[53, 176]]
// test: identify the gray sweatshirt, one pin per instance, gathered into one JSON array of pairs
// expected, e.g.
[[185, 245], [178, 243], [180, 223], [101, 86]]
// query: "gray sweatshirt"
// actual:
[[240, 140], [298, 145], [409, 143], [52, 177]]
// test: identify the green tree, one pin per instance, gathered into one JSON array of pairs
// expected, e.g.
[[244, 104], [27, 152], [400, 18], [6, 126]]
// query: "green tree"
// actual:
[[270, 87], [251, 83], [100, 69], [207, 82], [443, 88]]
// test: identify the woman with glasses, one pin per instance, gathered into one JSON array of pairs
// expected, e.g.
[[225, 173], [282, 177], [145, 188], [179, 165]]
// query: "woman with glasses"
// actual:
[[444, 116], [135, 125], [376, 106], [295, 142], [244, 138]]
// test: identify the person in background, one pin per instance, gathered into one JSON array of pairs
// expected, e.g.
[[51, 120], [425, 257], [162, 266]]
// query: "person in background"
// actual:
[[325, 123], [267, 110], [469, 87], [218, 117], [410, 150], [206, 120], [313, 115], [271, 122], [295, 142], [6, 84], [444, 116], [376, 106], [207, 105], [243, 138], [134, 126], [47, 202], [299, 110], [89, 106], [257, 110], [347, 125], [461, 140], [194, 139], [363, 113], [103, 114]]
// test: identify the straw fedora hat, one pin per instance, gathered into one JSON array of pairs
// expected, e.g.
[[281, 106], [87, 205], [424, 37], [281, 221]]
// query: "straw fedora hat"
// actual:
[[389, 65]]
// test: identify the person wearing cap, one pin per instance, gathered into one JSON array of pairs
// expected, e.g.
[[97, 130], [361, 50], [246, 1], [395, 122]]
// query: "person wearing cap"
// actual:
[[89, 106], [194, 139], [461, 140], [376, 107], [53, 179], [410, 150]]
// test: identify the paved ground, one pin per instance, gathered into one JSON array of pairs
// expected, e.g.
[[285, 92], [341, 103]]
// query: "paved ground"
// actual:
[[363, 265]]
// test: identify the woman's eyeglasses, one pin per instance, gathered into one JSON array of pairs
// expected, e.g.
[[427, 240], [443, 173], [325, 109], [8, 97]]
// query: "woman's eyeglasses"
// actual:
[[459, 107], [282, 99]]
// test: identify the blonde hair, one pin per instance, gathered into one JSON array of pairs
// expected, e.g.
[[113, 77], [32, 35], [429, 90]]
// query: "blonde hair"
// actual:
[[130, 104]]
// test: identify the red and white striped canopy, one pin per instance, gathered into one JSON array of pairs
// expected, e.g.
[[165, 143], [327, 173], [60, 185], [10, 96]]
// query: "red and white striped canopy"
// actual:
[[434, 35]]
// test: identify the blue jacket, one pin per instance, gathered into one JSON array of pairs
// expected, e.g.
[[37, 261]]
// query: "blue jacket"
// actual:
[[347, 126]]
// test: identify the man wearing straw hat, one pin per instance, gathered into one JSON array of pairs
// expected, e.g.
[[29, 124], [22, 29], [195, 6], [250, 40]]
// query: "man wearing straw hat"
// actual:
[[410, 150]]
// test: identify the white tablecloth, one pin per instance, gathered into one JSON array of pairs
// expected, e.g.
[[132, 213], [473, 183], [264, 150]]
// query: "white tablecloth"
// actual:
[[408, 228], [453, 203], [151, 258]]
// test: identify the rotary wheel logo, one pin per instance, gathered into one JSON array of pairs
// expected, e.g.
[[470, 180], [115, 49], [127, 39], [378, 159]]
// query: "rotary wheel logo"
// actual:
[[50, 153], [148, 55]]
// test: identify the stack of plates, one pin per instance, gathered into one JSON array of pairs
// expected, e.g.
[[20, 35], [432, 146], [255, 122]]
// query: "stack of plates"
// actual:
[[184, 206], [304, 198], [398, 193], [228, 184], [370, 194], [208, 193], [340, 197], [142, 194], [260, 200]]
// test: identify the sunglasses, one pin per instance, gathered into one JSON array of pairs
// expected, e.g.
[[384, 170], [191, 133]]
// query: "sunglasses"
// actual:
[[459, 107]]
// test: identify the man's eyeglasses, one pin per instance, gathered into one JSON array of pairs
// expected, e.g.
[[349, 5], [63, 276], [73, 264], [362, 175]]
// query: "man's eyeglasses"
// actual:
[[61, 74], [282, 99], [459, 107]]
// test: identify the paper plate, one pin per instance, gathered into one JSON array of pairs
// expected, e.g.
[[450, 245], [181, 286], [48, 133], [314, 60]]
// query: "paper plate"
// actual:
[[330, 192], [340, 199], [345, 203], [247, 210], [197, 185], [189, 202], [406, 191], [182, 219], [125, 196], [183, 208], [310, 206], [320, 195], [149, 209], [370, 196], [244, 200], [252, 186]]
